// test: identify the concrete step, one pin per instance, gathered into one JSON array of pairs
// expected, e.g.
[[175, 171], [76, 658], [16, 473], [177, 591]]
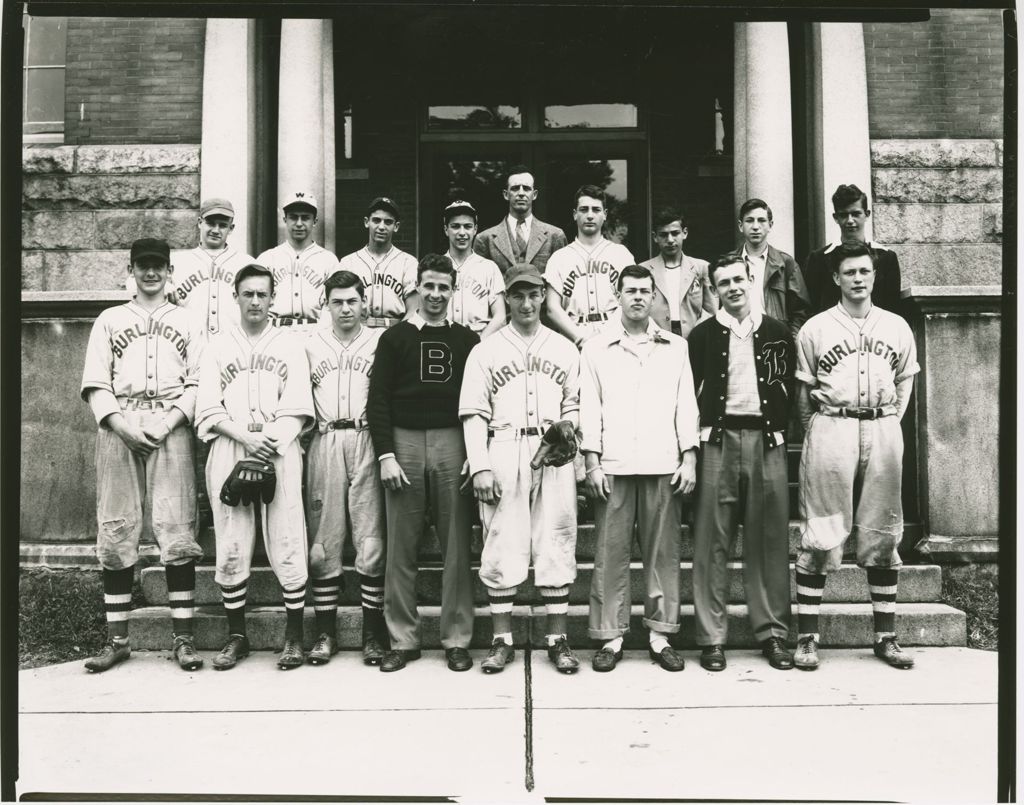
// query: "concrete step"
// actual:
[[842, 625], [918, 583]]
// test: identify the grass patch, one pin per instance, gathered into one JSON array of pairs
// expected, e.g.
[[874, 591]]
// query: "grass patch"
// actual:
[[975, 590], [60, 615]]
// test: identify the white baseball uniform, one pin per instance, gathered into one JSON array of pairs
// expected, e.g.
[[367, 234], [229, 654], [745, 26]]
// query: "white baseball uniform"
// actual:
[[585, 280], [342, 472], [478, 282], [141, 364], [388, 282], [520, 388], [204, 284], [851, 469], [299, 279], [253, 382]]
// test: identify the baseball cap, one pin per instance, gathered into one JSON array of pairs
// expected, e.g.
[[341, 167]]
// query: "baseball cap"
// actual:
[[216, 206], [150, 247], [384, 203], [308, 199], [523, 273], [459, 208]]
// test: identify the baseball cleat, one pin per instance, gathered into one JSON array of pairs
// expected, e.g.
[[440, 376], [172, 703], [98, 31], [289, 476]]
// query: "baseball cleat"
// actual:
[[458, 659], [113, 652], [323, 649], [500, 655], [667, 658], [774, 650], [888, 650], [291, 655], [235, 649], [184, 652], [806, 656], [566, 662], [712, 658], [373, 650], [396, 659], [605, 659]]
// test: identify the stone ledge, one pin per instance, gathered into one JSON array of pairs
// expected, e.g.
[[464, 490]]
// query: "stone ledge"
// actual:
[[946, 153], [48, 159], [973, 550], [69, 304], [138, 159], [954, 299], [110, 192], [940, 185]]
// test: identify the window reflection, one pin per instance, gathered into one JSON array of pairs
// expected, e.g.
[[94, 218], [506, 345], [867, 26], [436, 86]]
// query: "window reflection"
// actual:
[[591, 116], [474, 117]]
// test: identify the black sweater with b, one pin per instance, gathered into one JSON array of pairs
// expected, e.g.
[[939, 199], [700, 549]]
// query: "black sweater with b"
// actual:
[[416, 380]]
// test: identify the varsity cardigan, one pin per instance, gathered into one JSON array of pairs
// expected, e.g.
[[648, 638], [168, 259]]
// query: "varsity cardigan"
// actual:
[[774, 359]]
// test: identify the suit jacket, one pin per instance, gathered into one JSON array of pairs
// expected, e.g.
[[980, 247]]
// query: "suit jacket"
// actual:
[[496, 244], [824, 293], [695, 293]]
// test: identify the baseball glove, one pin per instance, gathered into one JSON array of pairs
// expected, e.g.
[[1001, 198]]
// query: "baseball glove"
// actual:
[[250, 481], [557, 446]]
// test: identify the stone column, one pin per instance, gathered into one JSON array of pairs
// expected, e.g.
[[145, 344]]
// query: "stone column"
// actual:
[[840, 145], [227, 167], [763, 124], [305, 141]]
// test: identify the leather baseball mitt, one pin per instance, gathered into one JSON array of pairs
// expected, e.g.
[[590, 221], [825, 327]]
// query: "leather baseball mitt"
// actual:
[[557, 446], [250, 481]]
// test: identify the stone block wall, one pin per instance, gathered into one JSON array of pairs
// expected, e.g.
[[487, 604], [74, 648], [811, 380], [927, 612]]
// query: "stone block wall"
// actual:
[[82, 206], [938, 204]]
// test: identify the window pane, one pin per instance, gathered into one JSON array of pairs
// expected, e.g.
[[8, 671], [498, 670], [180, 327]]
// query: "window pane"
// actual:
[[46, 40], [591, 116], [566, 173], [44, 95], [474, 117]]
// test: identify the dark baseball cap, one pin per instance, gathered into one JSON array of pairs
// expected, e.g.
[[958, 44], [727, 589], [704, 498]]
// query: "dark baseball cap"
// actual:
[[150, 247], [384, 203], [459, 208], [523, 273]]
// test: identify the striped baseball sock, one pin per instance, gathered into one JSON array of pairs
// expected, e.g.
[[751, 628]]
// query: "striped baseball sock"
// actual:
[[500, 600], [294, 608], [233, 597], [181, 595], [882, 583], [556, 605], [809, 589], [117, 601], [371, 589], [325, 604]]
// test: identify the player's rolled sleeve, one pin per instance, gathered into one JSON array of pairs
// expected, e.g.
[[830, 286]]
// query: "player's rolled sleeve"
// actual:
[[495, 283], [103, 403], [907, 365], [591, 409], [806, 361], [571, 386], [209, 407], [98, 372], [687, 413], [297, 395]]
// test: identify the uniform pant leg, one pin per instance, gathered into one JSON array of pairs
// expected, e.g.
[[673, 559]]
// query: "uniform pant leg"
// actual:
[[120, 486], [171, 492], [327, 499], [453, 519], [365, 503], [234, 527], [405, 511], [553, 525], [284, 522], [505, 558], [766, 537], [658, 515], [610, 598], [878, 518], [714, 531]]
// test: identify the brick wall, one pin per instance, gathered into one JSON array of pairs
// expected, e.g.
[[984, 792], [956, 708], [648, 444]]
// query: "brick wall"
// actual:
[[134, 80], [941, 78]]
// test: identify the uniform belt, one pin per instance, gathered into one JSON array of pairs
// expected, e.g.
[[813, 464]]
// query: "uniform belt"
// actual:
[[381, 321], [852, 412], [742, 423], [342, 424], [592, 317], [515, 432], [135, 404], [288, 321], [255, 427]]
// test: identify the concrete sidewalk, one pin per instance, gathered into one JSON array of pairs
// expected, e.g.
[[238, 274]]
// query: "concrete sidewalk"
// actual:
[[853, 730]]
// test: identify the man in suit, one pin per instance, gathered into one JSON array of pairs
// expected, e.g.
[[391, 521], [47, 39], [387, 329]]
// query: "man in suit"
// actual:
[[520, 238], [682, 291]]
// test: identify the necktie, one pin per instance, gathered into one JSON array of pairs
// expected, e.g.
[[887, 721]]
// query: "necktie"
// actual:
[[521, 239]]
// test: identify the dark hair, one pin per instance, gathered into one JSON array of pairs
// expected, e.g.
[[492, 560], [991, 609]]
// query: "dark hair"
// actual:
[[344, 279], [668, 215], [847, 194], [755, 204], [727, 259], [845, 251], [254, 270], [517, 169], [591, 191], [637, 272], [435, 262]]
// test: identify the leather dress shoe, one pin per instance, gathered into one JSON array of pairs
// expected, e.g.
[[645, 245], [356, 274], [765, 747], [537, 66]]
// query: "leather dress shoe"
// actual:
[[396, 659], [605, 659], [500, 655], [712, 658], [667, 658], [458, 659], [774, 649]]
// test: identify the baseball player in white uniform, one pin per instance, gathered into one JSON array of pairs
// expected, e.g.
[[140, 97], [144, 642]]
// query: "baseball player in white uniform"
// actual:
[[344, 498], [254, 398], [388, 273], [478, 301], [583, 274], [516, 384], [300, 267], [856, 365], [140, 381]]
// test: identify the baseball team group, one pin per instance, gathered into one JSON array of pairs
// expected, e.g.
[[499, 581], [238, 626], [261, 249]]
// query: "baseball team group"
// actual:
[[356, 402]]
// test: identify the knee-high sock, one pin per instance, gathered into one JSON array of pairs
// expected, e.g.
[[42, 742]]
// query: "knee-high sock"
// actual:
[[233, 597], [181, 595], [809, 589], [882, 582], [556, 605], [500, 602], [117, 600], [294, 607], [371, 589], [325, 604]]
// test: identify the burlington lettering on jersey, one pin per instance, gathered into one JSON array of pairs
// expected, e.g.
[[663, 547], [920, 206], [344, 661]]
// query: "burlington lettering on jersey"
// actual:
[[258, 361], [349, 363], [184, 288], [309, 274], [500, 375], [120, 341], [592, 267], [866, 345]]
